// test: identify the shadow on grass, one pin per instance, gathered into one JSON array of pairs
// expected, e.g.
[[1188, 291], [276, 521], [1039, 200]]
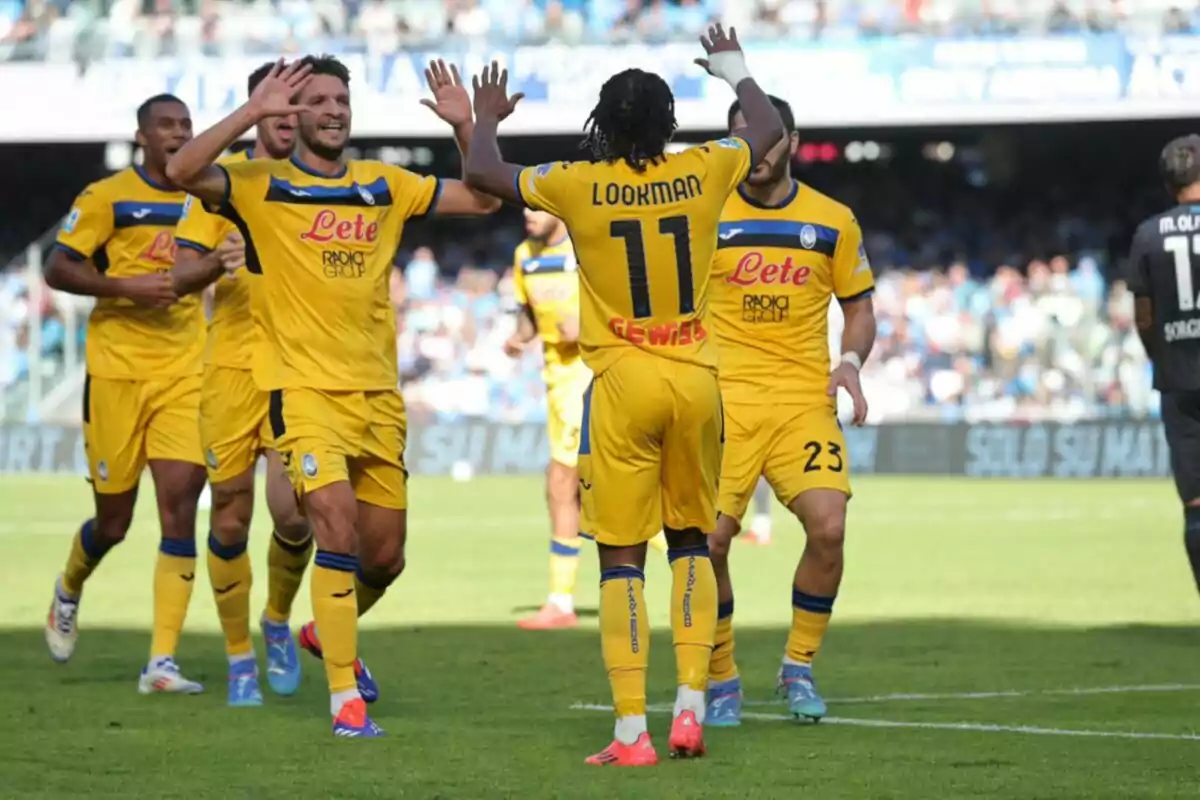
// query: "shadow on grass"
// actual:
[[481, 712]]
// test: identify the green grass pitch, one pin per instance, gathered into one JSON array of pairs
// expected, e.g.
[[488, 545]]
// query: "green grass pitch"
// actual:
[[1000, 605]]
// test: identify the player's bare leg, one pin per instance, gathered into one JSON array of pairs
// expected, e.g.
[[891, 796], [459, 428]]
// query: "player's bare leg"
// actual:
[[724, 685], [288, 555], [625, 643], [177, 487], [822, 512], [562, 499], [114, 515], [382, 534], [693, 625], [333, 512], [1191, 536], [231, 578]]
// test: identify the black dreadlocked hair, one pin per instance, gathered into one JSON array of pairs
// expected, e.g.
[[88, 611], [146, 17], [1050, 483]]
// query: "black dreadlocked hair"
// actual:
[[633, 121]]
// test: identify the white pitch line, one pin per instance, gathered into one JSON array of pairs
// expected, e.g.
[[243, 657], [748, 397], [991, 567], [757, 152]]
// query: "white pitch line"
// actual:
[[973, 727], [1070, 692]]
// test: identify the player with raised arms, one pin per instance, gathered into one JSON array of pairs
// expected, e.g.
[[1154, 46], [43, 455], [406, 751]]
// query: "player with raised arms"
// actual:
[[322, 230], [785, 252], [1164, 277], [235, 430], [141, 395], [644, 224]]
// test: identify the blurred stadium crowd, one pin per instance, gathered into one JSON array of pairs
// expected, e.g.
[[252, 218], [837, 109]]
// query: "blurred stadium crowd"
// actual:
[[1033, 339], [75, 29]]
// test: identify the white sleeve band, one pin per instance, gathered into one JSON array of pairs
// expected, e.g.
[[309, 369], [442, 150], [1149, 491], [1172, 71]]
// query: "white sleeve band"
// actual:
[[729, 66], [852, 359]]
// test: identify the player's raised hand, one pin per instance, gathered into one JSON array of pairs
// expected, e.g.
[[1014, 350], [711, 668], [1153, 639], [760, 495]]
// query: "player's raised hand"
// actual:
[[153, 290], [491, 94], [846, 377], [232, 253], [514, 347], [274, 96], [450, 100], [716, 42]]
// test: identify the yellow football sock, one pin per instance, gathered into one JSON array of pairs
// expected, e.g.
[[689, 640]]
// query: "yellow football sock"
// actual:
[[693, 614], [336, 613], [286, 563], [231, 578], [625, 638], [722, 667], [564, 565], [810, 620], [368, 594], [85, 556], [174, 578]]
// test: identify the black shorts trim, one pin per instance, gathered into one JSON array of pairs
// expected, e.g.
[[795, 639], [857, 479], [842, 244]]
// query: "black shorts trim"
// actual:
[[275, 413]]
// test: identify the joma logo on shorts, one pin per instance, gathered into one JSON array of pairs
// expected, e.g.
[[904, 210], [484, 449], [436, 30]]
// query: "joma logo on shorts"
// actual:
[[753, 269], [328, 227]]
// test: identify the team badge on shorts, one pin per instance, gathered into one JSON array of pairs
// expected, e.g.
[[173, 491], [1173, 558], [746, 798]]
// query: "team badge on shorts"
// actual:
[[309, 465], [102, 470], [211, 458], [808, 237]]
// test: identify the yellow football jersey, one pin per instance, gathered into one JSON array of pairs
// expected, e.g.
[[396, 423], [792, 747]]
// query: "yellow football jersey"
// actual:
[[645, 243], [775, 271], [546, 278], [232, 332], [324, 248], [125, 224]]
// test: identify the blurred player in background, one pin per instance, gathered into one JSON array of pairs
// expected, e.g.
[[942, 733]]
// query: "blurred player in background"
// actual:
[[644, 226], [547, 288], [322, 231], [235, 429], [141, 398], [1164, 276], [784, 251]]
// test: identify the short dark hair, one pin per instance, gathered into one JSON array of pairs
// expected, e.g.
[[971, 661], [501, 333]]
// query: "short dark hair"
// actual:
[[328, 65], [258, 75], [1179, 163], [633, 120], [143, 111], [781, 105]]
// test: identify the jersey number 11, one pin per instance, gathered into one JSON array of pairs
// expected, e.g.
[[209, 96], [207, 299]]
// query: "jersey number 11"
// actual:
[[635, 254], [1183, 248]]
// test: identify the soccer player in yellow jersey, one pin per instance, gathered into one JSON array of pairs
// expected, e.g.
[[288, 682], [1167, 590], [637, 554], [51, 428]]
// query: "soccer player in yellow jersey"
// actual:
[[145, 353], [235, 430], [785, 251], [321, 232], [644, 227], [546, 285]]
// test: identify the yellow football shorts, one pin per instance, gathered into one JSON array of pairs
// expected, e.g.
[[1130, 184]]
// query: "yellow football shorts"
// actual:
[[127, 423], [327, 437], [564, 414], [650, 450], [796, 449], [234, 428]]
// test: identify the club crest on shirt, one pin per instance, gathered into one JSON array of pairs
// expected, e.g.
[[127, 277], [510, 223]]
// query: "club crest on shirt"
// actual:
[[365, 194], [808, 237], [309, 465]]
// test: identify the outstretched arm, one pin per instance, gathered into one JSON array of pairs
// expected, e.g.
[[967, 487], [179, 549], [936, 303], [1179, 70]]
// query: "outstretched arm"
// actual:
[[194, 168], [453, 106], [486, 170], [764, 127]]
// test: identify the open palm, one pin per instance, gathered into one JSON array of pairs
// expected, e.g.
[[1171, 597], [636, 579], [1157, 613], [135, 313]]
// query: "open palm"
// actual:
[[450, 99], [274, 95]]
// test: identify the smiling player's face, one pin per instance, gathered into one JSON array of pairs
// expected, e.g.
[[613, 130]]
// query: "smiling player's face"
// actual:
[[773, 168], [325, 124]]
